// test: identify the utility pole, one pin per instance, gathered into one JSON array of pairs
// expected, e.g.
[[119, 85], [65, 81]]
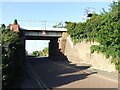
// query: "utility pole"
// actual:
[[44, 24]]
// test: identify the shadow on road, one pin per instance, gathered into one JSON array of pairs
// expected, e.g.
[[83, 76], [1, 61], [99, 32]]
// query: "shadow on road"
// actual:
[[55, 73]]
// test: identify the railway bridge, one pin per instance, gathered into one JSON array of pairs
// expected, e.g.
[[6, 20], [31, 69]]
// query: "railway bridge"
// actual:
[[57, 37]]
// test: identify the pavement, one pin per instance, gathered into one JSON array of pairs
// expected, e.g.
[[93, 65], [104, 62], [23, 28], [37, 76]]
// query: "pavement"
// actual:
[[113, 76]]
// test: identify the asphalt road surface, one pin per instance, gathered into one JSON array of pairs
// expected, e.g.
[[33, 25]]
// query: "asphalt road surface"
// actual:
[[44, 73]]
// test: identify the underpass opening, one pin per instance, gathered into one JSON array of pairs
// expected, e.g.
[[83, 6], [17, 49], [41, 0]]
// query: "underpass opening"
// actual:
[[50, 48], [55, 36], [37, 48]]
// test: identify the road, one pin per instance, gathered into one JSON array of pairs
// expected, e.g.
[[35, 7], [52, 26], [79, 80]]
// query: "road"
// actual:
[[42, 72]]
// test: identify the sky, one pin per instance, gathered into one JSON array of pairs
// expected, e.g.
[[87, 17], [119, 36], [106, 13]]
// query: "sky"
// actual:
[[32, 13], [48, 11], [33, 45]]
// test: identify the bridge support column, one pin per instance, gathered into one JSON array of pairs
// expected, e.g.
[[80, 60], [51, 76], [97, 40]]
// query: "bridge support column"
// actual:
[[53, 48], [62, 42]]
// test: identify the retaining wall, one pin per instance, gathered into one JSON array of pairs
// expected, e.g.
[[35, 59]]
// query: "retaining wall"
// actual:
[[80, 53]]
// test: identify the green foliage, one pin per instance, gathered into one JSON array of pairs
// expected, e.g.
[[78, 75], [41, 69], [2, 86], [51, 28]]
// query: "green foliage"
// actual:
[[15, 22], [59, 25], [45, 51], [36, 53], [41, 53], [104, 29], [95, 48], [11, 51], [3, 26]]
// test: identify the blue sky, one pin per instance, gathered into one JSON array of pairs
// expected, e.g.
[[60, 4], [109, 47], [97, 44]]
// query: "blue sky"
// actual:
[[48, 11]]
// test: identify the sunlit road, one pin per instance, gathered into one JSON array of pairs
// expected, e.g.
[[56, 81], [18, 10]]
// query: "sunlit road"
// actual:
[[49, 74]]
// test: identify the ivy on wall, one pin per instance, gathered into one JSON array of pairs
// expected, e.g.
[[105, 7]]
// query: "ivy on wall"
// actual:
[[104, 29]]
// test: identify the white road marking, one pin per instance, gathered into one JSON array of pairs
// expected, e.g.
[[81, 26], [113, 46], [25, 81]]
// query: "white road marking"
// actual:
[[37, 78]]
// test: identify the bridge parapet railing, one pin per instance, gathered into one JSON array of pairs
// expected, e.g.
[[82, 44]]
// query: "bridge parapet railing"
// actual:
[[41, 24]]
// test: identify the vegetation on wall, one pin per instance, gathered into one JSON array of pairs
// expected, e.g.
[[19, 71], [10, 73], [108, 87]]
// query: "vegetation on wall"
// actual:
[[102, 28], [11, 51]]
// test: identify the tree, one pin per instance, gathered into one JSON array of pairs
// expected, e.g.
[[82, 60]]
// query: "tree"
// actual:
[[41, 53], [102, 28], [15, 22], [35, 53], [59, 25], [3, 26], [11, 59], [45, 51]]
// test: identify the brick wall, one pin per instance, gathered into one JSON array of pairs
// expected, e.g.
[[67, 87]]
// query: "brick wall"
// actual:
[[14, 27]]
